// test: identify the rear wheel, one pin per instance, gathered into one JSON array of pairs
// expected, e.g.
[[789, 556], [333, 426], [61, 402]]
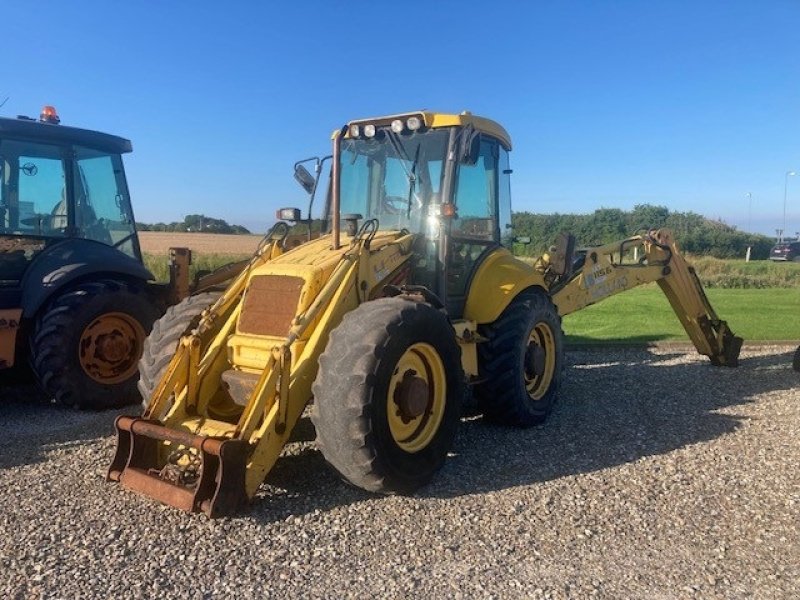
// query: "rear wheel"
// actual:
[[521, 362], [796, 362], [388, 393], [87, 342], [160, 345]]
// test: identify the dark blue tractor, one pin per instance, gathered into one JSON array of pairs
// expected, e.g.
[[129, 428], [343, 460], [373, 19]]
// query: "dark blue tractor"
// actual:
[[76, 301]]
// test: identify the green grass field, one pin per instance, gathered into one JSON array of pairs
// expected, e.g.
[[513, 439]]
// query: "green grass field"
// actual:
[[644, 315], [760, 301], [159, 266]]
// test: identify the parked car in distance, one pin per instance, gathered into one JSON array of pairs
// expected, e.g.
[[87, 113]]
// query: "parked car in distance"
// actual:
[[785, 251]]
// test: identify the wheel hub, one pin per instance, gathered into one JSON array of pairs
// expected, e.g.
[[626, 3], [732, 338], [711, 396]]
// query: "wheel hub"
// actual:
[[411, 396], [536, 360], [110, 347]]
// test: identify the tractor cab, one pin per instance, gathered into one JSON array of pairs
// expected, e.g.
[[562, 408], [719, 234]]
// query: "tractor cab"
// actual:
[[443, 177], [59, 183]]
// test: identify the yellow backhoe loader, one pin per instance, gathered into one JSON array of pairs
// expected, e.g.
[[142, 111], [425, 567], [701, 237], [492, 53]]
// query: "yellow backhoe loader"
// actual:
[[411, 298]]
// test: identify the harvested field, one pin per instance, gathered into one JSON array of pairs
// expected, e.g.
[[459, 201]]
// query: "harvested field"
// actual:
[[159, 242]]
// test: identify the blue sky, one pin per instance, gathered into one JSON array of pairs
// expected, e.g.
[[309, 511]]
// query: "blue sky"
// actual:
[[610, 104]]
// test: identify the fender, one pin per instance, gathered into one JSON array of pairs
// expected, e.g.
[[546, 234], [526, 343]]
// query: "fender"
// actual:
[[498, 280], [70, 261]]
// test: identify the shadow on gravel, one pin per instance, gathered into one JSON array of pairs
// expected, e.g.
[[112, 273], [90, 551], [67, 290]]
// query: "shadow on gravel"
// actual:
[[615, 408], [30, 425], [611, 413]]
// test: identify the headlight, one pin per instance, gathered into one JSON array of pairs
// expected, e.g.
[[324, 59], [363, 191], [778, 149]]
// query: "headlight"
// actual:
[[355, 131], [397, 126], [414, 123], [369, 130]]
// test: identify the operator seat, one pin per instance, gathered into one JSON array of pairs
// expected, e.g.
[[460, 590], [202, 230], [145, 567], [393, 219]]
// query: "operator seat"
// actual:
[[58, 216]]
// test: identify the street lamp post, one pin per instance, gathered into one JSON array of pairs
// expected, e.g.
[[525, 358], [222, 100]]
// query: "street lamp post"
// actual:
[[785, 192], [749, 212]]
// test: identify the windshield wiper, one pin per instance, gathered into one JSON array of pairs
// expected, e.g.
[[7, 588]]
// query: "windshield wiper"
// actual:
[[412, 180], [403, 156]]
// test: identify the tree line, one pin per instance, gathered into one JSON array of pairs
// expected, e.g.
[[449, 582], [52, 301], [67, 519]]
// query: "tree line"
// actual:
[[194, 223], [694, 233]]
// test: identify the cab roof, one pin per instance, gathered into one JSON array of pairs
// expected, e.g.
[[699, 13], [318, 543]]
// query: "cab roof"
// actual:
[[436, 120], [36, 131]]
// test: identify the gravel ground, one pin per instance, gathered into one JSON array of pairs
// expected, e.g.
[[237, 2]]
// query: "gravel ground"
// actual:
[[658, 476]]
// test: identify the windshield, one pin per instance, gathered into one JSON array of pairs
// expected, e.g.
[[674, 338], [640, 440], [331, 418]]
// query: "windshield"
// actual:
[[393, 178], [34, 199]]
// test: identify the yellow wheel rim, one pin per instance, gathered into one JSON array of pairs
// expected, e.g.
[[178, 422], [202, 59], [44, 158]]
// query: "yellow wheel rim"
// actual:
[[110, 347], [540, 361], [417, 397]]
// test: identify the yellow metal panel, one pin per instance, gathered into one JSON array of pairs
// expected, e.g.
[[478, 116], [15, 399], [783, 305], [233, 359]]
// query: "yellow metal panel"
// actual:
[[496, 283]]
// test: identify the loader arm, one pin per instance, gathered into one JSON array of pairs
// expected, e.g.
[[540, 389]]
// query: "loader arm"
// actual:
[[654, 257], [215, 424]]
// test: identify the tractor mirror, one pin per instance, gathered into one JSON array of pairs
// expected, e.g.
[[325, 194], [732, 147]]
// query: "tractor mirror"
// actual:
[[304, 178], [288, 214], [470, 146]]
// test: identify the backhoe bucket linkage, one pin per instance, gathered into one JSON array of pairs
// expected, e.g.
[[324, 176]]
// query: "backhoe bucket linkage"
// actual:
[[215, 486]]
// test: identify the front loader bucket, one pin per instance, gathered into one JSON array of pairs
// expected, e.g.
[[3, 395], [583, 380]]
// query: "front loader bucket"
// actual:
[[219, 487]]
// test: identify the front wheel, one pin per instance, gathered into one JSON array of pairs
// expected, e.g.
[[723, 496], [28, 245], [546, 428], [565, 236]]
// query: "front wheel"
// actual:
[[161, 344], [388, 393], [86, 344], [521, 362]]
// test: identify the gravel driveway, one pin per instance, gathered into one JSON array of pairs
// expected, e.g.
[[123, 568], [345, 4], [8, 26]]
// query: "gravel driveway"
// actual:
[[658, 476]]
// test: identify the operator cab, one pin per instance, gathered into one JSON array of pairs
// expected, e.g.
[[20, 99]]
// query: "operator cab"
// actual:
[[60, 182], [444, 177]]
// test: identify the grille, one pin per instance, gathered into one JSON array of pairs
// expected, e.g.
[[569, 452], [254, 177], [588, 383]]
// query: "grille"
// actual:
[[270, 305]]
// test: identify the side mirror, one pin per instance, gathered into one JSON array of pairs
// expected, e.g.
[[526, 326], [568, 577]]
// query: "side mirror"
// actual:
[[470, 147], [305, 179], [288, 214]]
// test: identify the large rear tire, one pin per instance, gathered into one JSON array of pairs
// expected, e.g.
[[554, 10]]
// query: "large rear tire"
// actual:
[[521, 362], [388, 393], [160, 345], [87, 342], [796, 362]]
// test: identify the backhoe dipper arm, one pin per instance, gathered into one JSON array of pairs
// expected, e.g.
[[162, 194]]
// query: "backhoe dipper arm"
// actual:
[[604, 273]]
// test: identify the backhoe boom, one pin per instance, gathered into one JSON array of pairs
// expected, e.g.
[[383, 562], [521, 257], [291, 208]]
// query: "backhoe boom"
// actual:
[[602, 272]]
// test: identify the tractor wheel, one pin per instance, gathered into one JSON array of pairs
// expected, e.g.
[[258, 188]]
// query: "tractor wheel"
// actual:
[[87, 342], [160, 345], [521, 362], [796, 362], [388, 393]]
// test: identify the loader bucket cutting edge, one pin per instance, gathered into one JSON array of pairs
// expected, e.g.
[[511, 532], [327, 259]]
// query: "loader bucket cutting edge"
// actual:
[[220, 487]]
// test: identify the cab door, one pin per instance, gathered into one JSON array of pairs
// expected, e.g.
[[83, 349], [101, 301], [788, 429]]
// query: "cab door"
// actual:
[[476, 228]]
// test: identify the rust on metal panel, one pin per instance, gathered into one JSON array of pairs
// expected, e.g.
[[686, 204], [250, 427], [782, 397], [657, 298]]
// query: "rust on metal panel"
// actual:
[[9, 325], [218, 490], [140, 481], [270, 305]]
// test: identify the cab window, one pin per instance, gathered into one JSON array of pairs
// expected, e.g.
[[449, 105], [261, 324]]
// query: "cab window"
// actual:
[[476, 197], [102, 206], [504, 200], [34, 200]]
